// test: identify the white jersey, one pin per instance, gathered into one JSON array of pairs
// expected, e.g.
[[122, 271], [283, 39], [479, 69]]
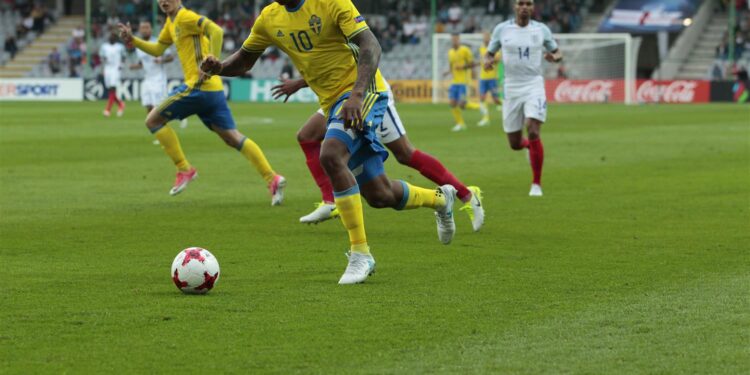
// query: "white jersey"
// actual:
[[154, 74], [523, 51], [112, 55]]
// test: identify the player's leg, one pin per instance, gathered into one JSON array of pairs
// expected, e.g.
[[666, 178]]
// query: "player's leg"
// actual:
[[156, 122], [334, 157], [309, 138], [455, 97], [381, 192], [217, 116], [393, 134], [483, 90], [110, 99], [113, 78], [535, 111]]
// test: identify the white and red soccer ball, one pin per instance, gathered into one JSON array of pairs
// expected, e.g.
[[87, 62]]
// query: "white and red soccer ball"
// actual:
[[195, 270]]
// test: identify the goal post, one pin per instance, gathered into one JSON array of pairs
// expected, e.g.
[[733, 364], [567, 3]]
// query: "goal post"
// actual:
[[595, 68]]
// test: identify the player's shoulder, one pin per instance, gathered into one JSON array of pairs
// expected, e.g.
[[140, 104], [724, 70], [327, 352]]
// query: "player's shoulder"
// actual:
[[503, 25], [271, 10], [539, 25]]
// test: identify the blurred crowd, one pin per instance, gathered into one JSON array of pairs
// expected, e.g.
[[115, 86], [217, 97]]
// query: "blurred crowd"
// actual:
[[22, 20], [721, 69]]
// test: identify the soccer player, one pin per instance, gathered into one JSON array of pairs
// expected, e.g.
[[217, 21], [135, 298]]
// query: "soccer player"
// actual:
[[337, 54], [154, 84], [112, 54], [487, 83], [461, 63], [524, 42], [197, 37], [392, 134]]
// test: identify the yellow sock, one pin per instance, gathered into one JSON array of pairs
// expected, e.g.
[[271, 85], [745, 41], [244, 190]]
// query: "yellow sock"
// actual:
[[472, 105], [254, 154], [349, 204], [458, 115], [416, 197], [171, 144]]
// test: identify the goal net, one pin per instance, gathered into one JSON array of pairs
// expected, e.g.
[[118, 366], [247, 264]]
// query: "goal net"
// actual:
[[595, 68]]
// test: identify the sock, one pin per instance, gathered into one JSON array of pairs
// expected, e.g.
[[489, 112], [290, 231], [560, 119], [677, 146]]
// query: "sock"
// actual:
[[525, 143], [110, 100], [312, 156], [416, 197], [171, 144], [120, 103], [472, 105], [254, 154], [457, 115], [431, 168], [536, 154], [483, 109], [349, 203]]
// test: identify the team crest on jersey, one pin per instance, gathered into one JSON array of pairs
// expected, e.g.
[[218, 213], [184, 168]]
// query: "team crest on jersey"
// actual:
[[536, 39], [316, 24]]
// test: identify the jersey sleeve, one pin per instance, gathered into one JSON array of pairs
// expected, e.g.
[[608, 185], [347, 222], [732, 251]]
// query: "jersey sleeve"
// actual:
[[164, 36], [258, 40], [495, 41], [549, 43], [347, 17], [191, 23]]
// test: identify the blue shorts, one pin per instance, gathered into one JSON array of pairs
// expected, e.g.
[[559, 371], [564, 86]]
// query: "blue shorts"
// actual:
[[210, 106], [367, 153], [457, 92], [488, 85]]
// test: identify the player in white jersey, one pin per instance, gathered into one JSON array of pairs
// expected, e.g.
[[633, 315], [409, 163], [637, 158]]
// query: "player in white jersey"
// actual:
[[154, 84], [392, 134], [112, 54], [524, 43]]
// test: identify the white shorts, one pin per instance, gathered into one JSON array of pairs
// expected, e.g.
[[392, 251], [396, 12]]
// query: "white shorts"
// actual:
[[152, 95], [391, 129], [111, 78], [517, 110]]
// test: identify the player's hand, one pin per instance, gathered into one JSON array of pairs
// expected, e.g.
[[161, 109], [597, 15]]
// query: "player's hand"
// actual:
[[287, 87], [489, 64], [126, 32], [351, 111], [553, 57], [157, 60], [211, 65]]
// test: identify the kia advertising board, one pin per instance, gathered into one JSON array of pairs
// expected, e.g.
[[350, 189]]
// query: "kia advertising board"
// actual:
[[41, 89]]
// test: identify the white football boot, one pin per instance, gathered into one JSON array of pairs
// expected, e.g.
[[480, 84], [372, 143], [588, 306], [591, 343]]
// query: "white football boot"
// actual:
[[536, 190], [458, 128], [276, 188], [323, 211], [446, 227], [359, 268]]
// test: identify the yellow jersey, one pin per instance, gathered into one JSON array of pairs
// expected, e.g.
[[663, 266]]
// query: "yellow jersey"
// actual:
[[186, 32], [315, 35], [460, 59], [485, 74]]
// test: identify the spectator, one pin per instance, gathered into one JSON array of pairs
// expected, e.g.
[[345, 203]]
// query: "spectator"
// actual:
[[54, 61], [10, 46], [455, 13]]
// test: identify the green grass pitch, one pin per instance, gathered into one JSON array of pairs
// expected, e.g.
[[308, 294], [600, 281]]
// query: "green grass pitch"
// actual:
[[636, 260]]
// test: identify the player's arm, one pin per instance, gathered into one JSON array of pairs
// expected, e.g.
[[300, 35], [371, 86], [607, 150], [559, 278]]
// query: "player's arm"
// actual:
[[367, 65], [553, 52], [152, 48], [244, 59], [215, 35], [495, 44]]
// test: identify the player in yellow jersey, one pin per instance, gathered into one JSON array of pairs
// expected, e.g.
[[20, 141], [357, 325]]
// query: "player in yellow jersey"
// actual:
[[197, 37], [487, 82], [461, 63], [337, 54]]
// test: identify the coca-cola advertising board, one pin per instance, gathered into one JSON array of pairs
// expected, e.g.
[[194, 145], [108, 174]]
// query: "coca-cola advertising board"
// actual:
[[613, 90]]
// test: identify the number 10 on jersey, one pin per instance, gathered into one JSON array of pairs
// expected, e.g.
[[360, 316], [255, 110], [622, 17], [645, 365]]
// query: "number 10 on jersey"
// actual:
[[302, 39]]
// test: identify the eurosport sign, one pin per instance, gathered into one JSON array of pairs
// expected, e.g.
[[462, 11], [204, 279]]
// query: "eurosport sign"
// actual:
[[41, 89], [649, 16], [613, 90], [129, 89]]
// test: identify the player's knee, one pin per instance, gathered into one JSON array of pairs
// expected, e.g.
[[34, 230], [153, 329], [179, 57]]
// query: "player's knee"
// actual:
[[533, 132], [304, 136], [516, 146], [330, 161], [404, 157]]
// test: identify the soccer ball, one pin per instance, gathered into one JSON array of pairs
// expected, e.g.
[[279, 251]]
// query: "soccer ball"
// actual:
[[195, 270]]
